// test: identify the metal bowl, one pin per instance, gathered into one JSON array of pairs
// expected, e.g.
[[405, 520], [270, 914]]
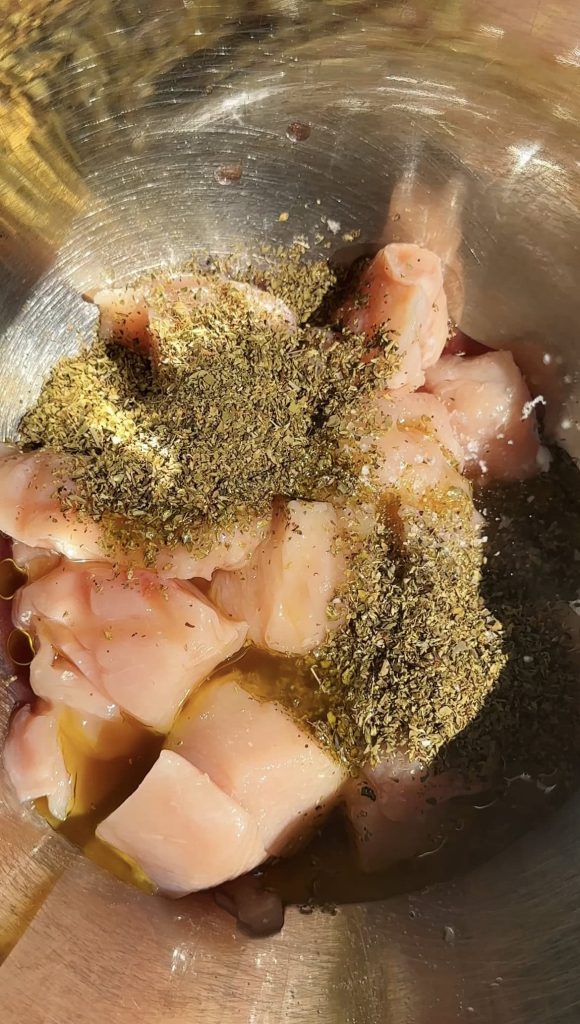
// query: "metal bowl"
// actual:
[[130, 139]]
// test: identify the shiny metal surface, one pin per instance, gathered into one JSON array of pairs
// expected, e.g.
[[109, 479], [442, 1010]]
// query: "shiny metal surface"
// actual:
[[452, 122]]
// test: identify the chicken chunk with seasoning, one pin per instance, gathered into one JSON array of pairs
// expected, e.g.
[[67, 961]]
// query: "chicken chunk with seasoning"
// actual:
[[409, 446], [136, 318], [401, 292], [31, 513], [254, 751], [34, 760], [109, 640], [285, 590], [492, 414], [182, 830]]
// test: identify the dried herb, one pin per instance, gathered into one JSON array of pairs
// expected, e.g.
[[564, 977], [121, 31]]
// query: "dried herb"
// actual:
[[419, 652], [464, 650], [240, 407], [531, 582]]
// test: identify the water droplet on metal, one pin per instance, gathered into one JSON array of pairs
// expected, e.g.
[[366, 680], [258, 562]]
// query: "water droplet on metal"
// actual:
[[228, 174], [12, 577], [298, 131], [20, 647]]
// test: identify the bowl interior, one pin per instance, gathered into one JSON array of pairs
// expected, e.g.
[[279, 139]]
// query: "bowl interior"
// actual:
[[435, 143]]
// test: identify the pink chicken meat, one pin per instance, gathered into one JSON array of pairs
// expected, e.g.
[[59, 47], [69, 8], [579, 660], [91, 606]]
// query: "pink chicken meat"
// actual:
[[136, 642], [411, 446], [260, 758], [182, 830], [285, 589], [491, 413], [401, 290], [30, 513], [240, 782], [34, 760], [134, 317]]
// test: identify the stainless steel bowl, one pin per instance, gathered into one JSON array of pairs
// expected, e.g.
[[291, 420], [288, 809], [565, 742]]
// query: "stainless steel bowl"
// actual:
[[117, 124]]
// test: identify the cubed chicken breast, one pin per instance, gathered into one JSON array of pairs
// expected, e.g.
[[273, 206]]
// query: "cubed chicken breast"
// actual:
[[141, 642], [491, 412], [58, 679], [284, 591], [431, 217], [36, 562], [136, 317], [182, 830], [401, 291], [34, 760], [411, 446], [230, 551], [397, 809], [30, 513], [253, 751]]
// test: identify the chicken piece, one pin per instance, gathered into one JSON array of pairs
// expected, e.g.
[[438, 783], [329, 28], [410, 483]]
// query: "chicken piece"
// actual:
[[142, 643], [285, 589], [257, 755], [57, 679], [135, 317], [401, 291], [397, 809], [36, 562], [34, 760], [411, 446], [182, 830], [30, 512], [491, 412], [123, 317], [230, 551], [431, 217]]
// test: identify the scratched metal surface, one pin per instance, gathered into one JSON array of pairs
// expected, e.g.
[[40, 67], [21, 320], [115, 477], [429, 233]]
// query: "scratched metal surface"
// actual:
[[467, 110]]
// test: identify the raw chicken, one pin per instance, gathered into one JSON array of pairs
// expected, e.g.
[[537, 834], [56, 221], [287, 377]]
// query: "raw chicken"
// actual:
[[411, 447], [253, 751], [182, 830], [30, 512], [396, 810], [401, 291], [129, 640], [431, 217], [285, 590], [36, 562], [229, 552], [492, 414], [34, 761], [135, 318], [58, 680]]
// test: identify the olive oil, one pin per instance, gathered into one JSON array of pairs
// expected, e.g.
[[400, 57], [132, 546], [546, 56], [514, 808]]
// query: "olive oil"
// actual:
[[105, 770]]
